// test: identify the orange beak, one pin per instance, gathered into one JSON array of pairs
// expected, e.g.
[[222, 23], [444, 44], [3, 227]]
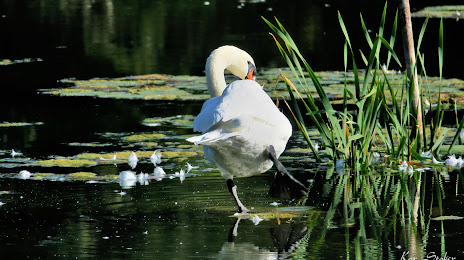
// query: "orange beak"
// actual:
[[250, 75]]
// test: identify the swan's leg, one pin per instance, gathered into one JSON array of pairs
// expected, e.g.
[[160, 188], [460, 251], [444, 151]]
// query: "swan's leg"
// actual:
[[281, 169], [233, 190], [233, 231]]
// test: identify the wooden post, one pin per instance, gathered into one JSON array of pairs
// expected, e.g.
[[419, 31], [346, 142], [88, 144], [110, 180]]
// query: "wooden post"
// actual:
[[410, 60]]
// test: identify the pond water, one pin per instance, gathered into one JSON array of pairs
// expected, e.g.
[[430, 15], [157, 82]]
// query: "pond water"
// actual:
[[74, 205]]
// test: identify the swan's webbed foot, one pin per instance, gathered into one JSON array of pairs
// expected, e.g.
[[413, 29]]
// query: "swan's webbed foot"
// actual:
[[284, 180], [233, 190]]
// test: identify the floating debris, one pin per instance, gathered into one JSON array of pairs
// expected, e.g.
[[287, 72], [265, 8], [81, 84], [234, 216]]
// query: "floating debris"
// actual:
[[435, 161], [24, 174], [410, 171], [403, 166], [132, 160], [156, 158], [14, 153], [142, 178], [159, 173], [110, 159], [127, 179], [454, 162], [256, 219], [190, 167], [427, 154], [180, 174], [127, 175]]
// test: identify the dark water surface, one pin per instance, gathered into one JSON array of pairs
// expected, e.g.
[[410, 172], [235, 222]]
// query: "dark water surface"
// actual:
[[55, 217], [104, 38]]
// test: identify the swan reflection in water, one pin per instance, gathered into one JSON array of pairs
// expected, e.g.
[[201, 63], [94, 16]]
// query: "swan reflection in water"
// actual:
[[285, 237]]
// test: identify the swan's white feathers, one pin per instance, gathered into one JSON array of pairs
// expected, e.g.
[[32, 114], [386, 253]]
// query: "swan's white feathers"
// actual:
[[238, 127], [240, 122], [240, 98]]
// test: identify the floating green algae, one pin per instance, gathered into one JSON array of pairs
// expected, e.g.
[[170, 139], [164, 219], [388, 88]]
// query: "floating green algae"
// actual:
[[143, 137], [445, 11], [17, 124], [148, 144], [180, 121], [73, 176], [83, 175], [66, 162], [44, 176], [447, 218], [6, 62], [280, 213], [92, 144], [168, 87], [146, 87]]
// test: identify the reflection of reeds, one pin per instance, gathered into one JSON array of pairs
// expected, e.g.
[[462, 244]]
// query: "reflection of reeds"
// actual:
[[378, 212]]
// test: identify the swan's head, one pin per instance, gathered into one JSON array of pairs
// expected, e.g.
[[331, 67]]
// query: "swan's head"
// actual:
[[241, 63], [230, 58]]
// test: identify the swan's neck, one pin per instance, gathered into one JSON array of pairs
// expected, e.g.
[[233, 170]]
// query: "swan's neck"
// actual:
[[215, 75]]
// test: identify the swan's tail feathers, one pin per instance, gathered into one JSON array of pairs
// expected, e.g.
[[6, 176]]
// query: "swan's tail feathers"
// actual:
[[284, 186], [210, 137], [195, 139]]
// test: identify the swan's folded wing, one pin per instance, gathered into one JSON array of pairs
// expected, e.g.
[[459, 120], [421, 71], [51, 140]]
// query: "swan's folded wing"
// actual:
[[242, 97], [211, 137], [208, 116]]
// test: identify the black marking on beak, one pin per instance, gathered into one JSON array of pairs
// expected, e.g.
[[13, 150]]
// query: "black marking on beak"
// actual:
[[251, 71]]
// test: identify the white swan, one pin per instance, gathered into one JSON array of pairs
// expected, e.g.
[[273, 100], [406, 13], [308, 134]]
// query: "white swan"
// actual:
[[243, 132]]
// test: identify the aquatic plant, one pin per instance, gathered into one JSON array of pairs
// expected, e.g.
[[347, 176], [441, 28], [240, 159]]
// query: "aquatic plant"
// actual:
[[368, 208], [353, 134], [373, 205]]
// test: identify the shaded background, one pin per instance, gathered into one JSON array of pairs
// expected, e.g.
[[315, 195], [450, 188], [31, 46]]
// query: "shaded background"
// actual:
[[110, 38], [86, 39]]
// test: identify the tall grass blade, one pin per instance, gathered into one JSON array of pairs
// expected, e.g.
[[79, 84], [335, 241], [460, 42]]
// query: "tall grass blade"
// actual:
[[392, 38], [457, 135], [366, 32], [440, 48]]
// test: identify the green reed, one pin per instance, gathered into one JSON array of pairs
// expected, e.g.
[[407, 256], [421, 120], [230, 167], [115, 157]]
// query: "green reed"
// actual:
[[352, 134]]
